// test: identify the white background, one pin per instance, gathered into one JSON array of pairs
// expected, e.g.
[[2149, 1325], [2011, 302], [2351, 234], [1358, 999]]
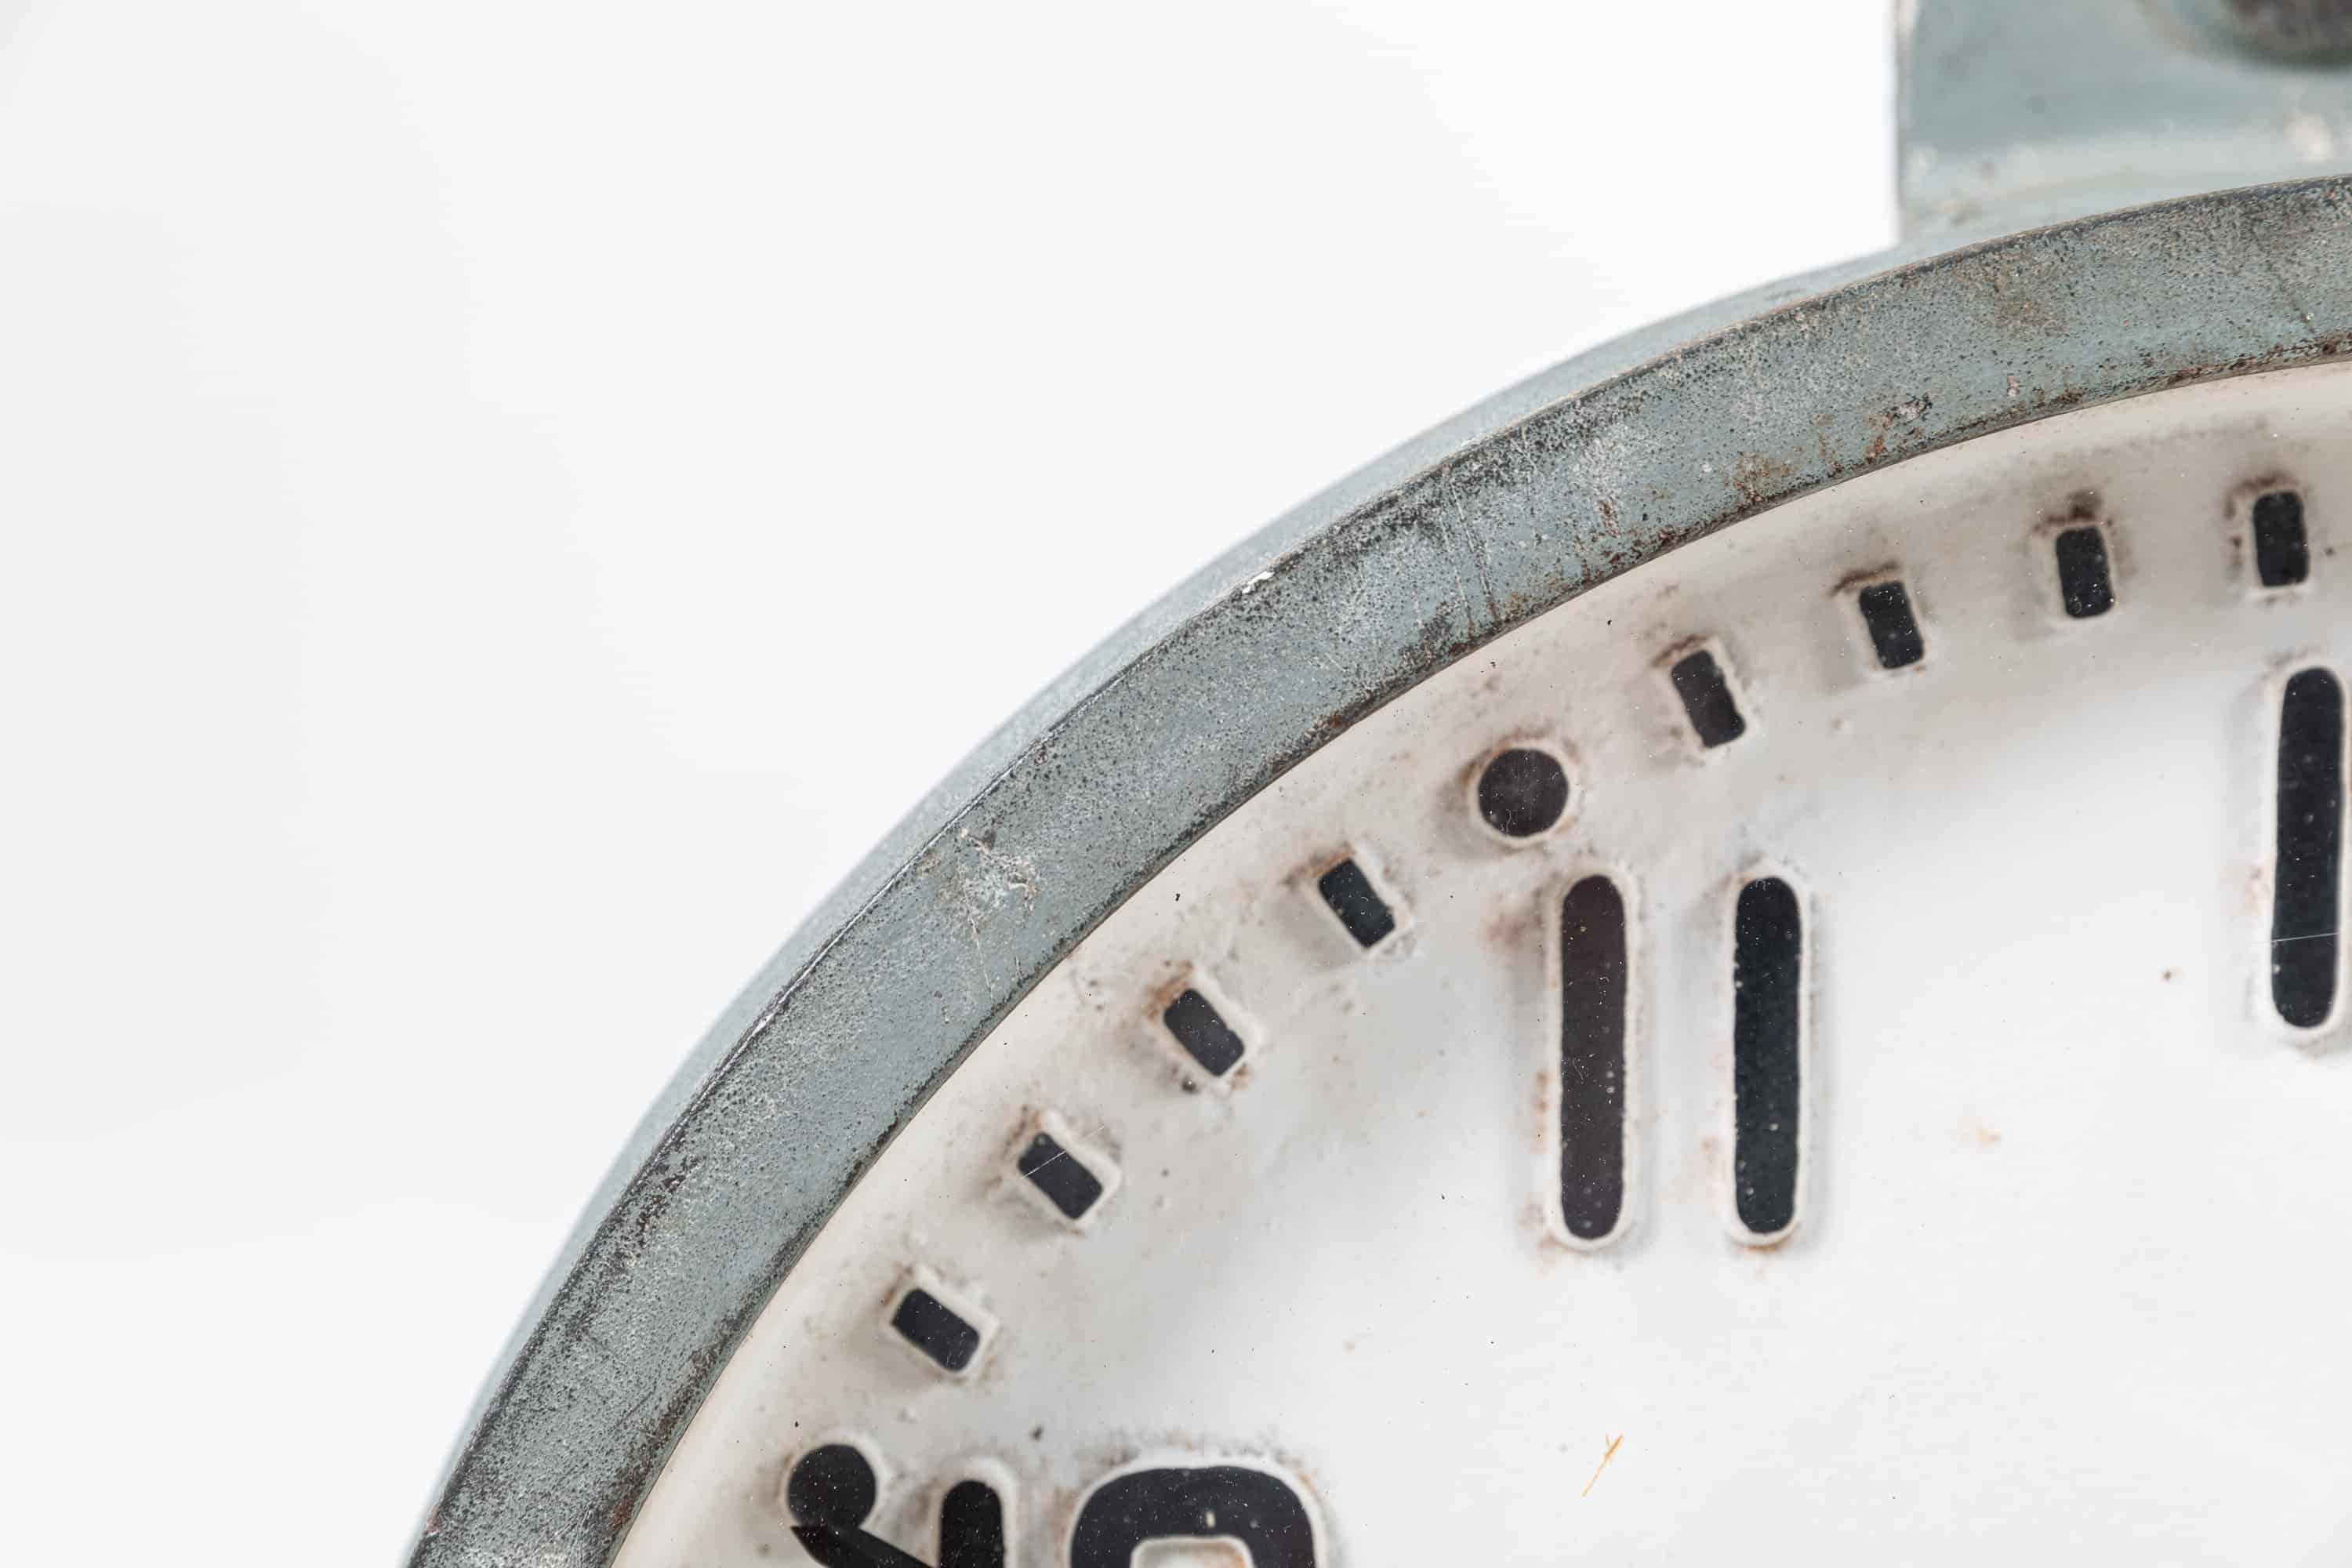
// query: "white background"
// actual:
[[504, 502]]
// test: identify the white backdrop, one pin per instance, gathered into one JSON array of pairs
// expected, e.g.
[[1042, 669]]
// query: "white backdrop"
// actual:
[[503, 504]]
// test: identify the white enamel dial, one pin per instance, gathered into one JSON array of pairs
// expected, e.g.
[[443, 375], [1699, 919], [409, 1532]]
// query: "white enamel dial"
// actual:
[[2004, 1206]]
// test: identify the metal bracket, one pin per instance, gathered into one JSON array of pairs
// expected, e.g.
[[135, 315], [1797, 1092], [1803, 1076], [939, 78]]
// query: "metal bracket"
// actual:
[[2014, 114]]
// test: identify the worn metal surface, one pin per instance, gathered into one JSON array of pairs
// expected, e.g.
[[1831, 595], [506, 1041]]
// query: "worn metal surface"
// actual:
[[2018, 112], [1557, 485]]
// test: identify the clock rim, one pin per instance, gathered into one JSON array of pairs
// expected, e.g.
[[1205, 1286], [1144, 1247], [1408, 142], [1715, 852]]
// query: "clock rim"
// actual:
[[1495, 517]]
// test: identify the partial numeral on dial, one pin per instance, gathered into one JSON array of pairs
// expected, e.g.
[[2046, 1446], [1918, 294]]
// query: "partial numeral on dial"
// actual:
[[2306, 897], [1593, 995], [1767, 1055], [1258, 1508]]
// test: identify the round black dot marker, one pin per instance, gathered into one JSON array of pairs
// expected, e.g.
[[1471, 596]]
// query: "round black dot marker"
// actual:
[[1522, 791], [833, 1485]]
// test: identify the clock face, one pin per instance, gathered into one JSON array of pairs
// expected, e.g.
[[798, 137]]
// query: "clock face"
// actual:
[[1831, 1037]]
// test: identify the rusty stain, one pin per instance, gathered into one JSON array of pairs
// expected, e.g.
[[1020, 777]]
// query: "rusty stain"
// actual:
[[1905, 415], [2083, 506], [1759, 478], [1982, 1136], [1514, 919], [1683, 649], [1537, 1216], [1157, 1002], [1607, 1455], [1700, 1171], [1853, 581]]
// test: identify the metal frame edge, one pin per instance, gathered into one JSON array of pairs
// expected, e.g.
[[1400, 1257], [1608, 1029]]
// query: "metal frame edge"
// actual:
[[1517, 507]]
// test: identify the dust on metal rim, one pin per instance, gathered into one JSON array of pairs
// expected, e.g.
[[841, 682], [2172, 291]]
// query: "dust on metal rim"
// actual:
[[1507, 512]]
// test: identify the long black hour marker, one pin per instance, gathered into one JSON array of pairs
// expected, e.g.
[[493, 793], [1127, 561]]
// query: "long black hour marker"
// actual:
[[937, 1330], [1707, 702], [2085, 587], [1894, 630], [1357, 903], [1767, 1054], [2308, 875], [1193, 1502], [1206, 1037], [1593, 990], [2282, 551], [972, 1527]]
